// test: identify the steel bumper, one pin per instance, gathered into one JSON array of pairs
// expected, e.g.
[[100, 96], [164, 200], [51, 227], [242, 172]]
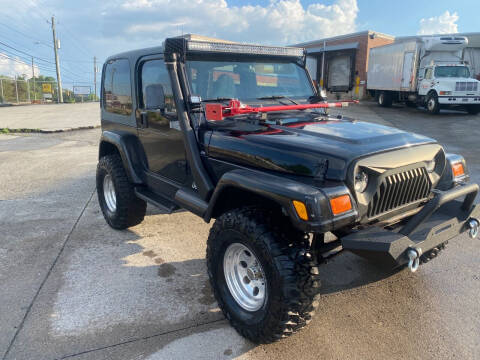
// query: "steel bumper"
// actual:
[[441, 219]]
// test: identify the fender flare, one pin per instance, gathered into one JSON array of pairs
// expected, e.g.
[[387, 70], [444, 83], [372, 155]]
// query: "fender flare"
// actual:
[[130, 150], [280, 190]]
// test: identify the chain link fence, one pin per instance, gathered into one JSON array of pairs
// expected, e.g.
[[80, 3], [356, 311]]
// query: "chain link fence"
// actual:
[[32, 91]]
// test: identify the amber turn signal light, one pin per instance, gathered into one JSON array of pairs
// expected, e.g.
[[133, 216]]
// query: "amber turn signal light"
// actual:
[[341, 204], [301, 210], [458, 170]]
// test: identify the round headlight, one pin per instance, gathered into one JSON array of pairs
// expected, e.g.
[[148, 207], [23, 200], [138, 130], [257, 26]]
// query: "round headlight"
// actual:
[[361, 181], [430, 165]]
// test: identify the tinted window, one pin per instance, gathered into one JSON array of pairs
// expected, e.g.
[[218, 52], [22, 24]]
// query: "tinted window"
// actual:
[[117, 93], [156, 91]]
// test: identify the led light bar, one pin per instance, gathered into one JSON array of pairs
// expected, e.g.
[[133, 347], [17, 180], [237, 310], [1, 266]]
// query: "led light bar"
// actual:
[[243, 48]]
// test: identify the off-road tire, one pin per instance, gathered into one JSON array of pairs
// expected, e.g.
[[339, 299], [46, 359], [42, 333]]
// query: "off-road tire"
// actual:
[[130, 210], [432, 104], [384, 99], [473, 109], [291, 273]]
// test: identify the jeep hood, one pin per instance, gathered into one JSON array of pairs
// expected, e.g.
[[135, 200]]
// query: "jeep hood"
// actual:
[[320, 148]]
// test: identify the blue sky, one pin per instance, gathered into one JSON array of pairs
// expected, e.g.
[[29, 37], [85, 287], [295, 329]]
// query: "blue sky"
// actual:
[[90, 27]]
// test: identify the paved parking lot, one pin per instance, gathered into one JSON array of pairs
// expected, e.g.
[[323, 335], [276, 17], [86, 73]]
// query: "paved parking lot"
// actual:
[[71, 287]]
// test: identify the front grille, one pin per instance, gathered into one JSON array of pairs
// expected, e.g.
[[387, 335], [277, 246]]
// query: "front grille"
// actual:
[[400, 189], [466, 86]]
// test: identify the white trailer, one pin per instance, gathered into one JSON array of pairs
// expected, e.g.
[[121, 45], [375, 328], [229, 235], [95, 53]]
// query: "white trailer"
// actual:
[[426, 71]]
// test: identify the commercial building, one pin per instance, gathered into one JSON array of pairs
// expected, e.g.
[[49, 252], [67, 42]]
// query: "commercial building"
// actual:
[[345, 61], [340, 63]]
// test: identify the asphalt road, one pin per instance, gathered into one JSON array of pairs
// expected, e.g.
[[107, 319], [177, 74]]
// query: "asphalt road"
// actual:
[[71, 287]]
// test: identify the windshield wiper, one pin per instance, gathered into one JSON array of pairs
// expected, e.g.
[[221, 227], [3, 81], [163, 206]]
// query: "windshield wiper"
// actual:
[[277, 97], [223, 99]]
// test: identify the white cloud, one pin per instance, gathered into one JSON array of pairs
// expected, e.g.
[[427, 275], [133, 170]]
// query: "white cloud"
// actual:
[[445, 23], [280, 22], [10, 66]]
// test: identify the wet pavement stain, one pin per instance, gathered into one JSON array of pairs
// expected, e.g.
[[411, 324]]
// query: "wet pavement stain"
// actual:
[[207, 295], [166, 270], [159, 260], [149, 254], [228, 352]]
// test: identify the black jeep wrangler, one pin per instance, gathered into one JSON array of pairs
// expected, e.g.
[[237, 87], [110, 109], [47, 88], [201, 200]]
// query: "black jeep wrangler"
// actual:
[[238, 133]]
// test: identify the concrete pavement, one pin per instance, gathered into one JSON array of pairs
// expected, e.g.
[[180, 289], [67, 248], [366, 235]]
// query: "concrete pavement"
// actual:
[[50, 117], [74, 288]]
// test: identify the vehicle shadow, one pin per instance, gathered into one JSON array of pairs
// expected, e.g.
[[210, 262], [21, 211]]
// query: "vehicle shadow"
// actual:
[[347, 271]]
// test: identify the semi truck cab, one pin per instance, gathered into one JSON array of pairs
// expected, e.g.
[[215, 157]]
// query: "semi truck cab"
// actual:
[[450, 83]]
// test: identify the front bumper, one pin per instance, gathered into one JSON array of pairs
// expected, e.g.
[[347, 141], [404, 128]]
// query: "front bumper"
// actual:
[[459, 100], [441, 219]]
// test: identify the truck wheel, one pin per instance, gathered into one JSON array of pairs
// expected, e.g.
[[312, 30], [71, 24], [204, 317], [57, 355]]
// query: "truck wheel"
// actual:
[[266, 284], [120, 207], [384, 99], [473, 109], [432, 105]]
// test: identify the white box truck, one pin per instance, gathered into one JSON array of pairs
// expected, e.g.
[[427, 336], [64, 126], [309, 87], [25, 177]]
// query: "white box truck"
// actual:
[[426, 71]]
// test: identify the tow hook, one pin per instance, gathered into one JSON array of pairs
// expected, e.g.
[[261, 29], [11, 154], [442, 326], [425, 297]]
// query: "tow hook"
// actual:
[[414, 258], [473, 226]]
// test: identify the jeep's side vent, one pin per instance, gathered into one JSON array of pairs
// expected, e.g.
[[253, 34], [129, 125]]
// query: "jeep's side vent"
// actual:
[[400, 189]]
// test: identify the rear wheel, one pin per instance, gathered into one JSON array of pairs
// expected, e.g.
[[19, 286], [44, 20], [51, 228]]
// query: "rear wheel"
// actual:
[[473, 109], [384, 99], [432, 104], [120, 207], [266, 283]]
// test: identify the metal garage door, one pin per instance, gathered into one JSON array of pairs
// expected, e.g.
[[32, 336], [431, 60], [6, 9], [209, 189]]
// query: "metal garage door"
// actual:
[[339, 73], [472, 55], [311, 65]]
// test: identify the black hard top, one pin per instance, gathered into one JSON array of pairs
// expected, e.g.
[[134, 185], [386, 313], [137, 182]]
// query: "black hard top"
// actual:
[[133, 55]]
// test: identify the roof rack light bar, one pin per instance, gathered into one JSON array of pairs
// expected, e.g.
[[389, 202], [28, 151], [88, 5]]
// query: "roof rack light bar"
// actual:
[[204, 46]]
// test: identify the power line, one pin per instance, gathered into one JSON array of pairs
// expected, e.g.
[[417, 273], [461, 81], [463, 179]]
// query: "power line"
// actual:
[[26, 35], [25, 53]]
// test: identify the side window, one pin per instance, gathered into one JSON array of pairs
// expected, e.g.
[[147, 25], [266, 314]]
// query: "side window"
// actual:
[[428, 73], [156, 90], [117, 92]]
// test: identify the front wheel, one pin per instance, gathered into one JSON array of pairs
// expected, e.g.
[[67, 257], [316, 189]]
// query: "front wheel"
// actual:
[[433, 105], [120, 207], [266, 283]]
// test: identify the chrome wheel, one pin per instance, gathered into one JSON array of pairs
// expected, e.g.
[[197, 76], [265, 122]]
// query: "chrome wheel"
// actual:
[[245, 277], [109, 193], [381, 99], [431, 104]]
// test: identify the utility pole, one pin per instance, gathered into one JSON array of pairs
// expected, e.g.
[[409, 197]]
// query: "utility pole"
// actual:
[[57, 62], [33, 77], [95, 76]]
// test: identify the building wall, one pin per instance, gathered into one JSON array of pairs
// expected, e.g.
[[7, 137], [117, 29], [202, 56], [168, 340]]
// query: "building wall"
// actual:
[[365, 43]]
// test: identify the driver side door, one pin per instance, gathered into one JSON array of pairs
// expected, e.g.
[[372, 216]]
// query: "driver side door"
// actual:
[[157, 120]]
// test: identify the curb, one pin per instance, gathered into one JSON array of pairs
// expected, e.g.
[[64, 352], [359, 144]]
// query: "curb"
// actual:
[[41, 131]]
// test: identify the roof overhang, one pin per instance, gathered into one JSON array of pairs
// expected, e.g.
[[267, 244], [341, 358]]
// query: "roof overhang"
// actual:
[[321, 49]]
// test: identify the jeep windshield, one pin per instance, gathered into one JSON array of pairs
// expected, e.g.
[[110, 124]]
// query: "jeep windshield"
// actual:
[[452, 71], [250, 81]]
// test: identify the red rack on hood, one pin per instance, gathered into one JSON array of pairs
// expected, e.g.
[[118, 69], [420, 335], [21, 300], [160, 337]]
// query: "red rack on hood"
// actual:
[[217, 112]]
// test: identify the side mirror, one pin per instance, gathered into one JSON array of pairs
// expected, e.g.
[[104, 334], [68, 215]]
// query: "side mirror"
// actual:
[[154, 97]]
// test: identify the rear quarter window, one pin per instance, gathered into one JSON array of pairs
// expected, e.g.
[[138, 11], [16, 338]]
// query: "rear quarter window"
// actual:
[[117, 91]]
